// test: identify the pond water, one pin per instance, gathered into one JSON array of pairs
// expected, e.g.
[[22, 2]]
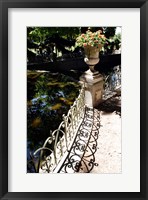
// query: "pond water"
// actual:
[[49, 96]]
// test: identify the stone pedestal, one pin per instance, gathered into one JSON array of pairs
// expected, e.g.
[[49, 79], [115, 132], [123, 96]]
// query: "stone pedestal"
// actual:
[[93, 87]]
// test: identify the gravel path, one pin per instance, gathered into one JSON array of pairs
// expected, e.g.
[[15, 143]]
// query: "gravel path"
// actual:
[[108, 155]]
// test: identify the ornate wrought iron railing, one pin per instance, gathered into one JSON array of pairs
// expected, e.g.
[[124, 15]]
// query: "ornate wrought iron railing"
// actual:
[[81, 157], [58, 144]]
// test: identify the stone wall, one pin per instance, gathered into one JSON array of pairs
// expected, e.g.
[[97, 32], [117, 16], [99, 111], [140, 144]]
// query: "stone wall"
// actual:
[[105, 65]]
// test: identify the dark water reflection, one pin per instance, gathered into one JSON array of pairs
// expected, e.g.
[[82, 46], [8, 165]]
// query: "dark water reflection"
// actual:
[[49, 96]]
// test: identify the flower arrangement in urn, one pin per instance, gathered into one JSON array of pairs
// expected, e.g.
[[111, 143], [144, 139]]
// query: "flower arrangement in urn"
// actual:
[[92, 42], [93, 39]]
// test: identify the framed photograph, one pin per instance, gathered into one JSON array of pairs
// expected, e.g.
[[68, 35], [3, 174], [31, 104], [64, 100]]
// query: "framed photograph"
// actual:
[[62, 35]]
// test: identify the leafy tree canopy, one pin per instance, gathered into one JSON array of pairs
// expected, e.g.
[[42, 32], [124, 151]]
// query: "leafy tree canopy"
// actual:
[[39, 34]]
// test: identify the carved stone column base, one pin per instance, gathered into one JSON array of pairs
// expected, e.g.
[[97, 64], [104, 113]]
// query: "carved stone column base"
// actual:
[[93, 88]]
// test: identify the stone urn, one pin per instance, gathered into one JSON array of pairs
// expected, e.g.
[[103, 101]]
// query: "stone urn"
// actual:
[[92, 79], [92, 56]]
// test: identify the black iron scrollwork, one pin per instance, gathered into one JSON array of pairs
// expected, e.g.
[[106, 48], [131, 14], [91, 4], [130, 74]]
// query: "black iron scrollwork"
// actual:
[[81, 157]]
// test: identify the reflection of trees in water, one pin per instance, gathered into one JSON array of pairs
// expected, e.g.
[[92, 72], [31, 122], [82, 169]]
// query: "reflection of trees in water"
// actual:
[[49, 96]]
